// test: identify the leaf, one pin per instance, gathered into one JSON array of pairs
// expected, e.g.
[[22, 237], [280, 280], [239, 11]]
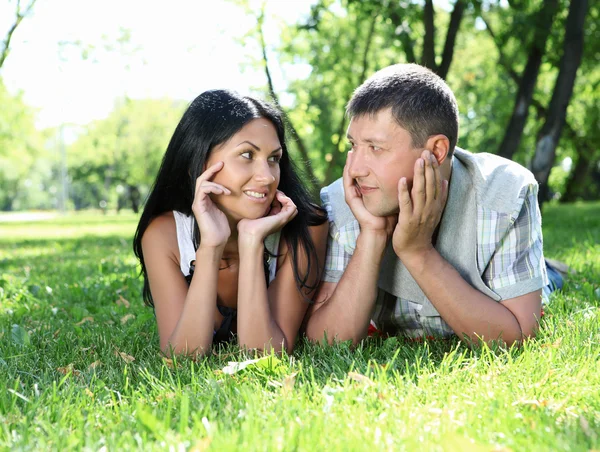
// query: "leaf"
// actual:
[[233, 366], [170, 364], [288, 383], [89, 393], [85, 320], [69, 369], [126, 318], [19, 335], [94, 365], [266, 362], [122, 301], [125, 357], [361, 378]]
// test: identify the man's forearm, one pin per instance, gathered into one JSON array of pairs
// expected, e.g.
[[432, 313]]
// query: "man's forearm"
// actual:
[[466, 310], [346, 314]]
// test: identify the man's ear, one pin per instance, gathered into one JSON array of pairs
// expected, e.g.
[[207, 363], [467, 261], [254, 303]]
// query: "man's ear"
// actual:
[[438, 145]]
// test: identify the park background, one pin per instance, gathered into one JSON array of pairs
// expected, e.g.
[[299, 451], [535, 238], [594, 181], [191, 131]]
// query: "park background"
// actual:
[[90, 93]]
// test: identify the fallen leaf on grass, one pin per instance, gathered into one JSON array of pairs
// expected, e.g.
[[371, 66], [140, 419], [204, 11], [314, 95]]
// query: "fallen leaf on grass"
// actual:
[[94, 365], [361, 378], [166, 395], [554, 344], [55, 335], [126, 318], [84, 320], [123, 301], [201, 445], [170, 364], [89, 393], [69, 369], [234, 366], [534, 403], [125, 357], [289, 382]]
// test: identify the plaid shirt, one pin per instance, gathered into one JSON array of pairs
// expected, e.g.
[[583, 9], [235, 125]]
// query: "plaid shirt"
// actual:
[[512, 258]]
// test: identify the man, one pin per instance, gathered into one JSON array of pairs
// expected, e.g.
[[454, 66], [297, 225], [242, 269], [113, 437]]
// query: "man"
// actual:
[[425, 238]]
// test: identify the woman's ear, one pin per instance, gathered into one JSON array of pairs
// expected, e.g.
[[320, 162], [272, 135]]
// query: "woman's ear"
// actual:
[[439, 146]]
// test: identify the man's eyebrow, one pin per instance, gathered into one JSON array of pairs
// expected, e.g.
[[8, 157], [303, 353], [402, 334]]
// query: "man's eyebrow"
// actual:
[[368, 140]]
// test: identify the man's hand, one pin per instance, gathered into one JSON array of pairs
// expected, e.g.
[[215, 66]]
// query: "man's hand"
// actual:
[[366, 220], [420, 210]]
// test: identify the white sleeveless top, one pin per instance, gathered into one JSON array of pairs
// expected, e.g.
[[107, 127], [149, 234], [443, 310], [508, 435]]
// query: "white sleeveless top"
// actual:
[[187, 252]]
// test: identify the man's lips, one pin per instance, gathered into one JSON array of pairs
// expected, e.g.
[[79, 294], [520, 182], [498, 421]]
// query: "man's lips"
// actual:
[[366, 189]]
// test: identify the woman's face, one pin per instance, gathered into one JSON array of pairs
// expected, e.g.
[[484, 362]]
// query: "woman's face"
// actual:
[[250, 170]]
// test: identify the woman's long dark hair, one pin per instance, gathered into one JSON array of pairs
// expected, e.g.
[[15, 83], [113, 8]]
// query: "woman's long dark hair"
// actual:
[[210, 120]]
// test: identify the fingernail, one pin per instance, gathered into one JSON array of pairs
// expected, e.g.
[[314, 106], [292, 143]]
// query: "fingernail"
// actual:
[[421, 163], [403, 181]]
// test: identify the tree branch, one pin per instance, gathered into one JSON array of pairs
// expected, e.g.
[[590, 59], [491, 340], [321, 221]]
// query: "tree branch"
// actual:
[[336, 155], [301, 146], [19, 16], [407, 43], [453, 27]]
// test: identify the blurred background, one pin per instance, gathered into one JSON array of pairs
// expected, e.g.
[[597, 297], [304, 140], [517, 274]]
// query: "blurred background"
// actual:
[[91, 91]]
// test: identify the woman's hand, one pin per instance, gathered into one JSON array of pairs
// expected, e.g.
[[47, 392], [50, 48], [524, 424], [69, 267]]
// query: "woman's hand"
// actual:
[[213, 224], [282, 211]]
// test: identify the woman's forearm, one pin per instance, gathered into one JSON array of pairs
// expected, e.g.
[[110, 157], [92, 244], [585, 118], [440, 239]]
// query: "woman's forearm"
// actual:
[[256, 326], [193, 333]]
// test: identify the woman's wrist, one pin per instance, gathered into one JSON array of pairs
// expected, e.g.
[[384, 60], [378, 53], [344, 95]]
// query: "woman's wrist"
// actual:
[[209, 252]]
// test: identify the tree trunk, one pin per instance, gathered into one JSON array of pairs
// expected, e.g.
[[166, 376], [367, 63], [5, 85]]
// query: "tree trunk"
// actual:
[[134, 197], [514, 131], [549, 136], [428, 57]]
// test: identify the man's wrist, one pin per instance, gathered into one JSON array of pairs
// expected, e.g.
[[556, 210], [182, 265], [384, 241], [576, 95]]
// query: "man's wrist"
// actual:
[[419, 260], [372, 239]]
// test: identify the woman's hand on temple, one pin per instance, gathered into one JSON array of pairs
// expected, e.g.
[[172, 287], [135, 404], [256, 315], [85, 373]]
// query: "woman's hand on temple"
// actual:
[[283, 210], [212, 222]]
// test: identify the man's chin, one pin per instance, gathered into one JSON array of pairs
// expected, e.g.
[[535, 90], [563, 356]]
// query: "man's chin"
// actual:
[[381, 211]]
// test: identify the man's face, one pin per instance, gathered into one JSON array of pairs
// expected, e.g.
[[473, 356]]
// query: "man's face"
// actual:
[[382, 154]]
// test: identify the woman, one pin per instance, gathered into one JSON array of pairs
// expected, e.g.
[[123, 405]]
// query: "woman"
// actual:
[[229, 241]]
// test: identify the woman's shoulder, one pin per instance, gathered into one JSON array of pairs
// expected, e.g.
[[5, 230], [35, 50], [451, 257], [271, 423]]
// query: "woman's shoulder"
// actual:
[[161, 232]]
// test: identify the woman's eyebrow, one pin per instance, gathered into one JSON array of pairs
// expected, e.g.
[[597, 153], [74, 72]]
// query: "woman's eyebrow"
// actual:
[[257, 148], [250, 143]]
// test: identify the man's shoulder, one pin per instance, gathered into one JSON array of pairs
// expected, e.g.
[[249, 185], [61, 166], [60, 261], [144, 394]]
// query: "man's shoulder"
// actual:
[[334, 201], [500, 184]]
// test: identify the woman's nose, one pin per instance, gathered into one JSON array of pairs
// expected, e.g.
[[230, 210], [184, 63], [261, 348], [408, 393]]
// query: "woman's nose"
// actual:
[[263, 173]]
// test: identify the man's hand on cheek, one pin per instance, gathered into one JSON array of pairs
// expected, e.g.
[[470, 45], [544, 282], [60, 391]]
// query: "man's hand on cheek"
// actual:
[[421, 209], [368, 221]]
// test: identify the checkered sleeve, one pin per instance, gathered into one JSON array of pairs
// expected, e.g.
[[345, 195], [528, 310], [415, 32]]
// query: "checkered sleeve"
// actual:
[[337, 258], [517, 264]]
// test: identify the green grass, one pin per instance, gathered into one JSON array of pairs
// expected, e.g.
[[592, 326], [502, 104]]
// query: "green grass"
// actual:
[[64, 383]]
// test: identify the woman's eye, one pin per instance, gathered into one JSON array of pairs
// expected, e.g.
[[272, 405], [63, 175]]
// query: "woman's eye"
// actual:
[[247, 155], [275, 158]]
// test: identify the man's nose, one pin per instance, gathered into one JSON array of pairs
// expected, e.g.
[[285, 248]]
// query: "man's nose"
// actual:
[[358, 164]]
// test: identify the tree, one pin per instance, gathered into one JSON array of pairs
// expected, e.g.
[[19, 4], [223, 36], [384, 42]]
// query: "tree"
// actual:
[[117, 159], [549, 135], [20, 13]]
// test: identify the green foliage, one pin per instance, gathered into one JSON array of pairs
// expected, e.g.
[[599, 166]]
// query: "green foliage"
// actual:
[[121, 154], [80, 366], [25, 164]]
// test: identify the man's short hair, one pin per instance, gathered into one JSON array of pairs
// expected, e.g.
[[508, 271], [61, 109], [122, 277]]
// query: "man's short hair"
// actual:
[[421, 102]]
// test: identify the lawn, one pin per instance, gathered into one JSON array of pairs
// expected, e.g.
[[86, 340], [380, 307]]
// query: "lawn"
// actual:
[[80, 366]]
